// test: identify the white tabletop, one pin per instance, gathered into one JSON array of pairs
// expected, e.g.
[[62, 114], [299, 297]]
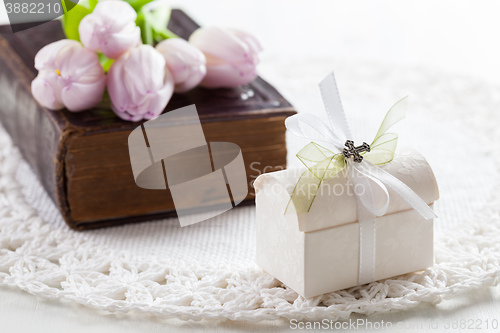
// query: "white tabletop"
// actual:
[[449, 36]]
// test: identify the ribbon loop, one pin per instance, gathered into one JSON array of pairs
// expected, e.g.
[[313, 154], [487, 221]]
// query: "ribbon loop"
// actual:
[[372, 192], [334, 109], [401, 189], [314, 129]]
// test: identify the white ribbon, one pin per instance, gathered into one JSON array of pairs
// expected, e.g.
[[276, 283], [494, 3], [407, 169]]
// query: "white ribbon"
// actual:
[[374, 200]]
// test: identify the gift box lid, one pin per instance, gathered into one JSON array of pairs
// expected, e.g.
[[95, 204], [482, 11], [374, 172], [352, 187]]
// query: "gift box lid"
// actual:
[[335, 204]]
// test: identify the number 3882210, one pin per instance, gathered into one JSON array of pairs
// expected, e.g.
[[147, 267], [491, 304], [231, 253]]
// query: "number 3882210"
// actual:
[[33, 8]]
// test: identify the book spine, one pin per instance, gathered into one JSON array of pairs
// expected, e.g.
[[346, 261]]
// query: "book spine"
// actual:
[[36, 135]]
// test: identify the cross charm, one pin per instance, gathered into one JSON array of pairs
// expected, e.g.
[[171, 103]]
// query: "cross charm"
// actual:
[[352, 151]]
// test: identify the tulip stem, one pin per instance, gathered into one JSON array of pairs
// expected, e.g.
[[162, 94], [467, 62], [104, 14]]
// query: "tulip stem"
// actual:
[[166, 34]]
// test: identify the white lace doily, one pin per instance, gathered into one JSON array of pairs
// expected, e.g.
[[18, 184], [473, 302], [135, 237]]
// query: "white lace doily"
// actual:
[[207, 270]]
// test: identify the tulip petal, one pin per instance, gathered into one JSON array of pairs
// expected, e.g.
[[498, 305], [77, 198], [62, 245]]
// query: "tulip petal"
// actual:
[[110, 28], [88, 34], [79, 64], [196, 76], [160, 101], [81, 96], [145, 68], [121, 42], [251, 41], [139, 84], [220, 43], [227, 76], [184, 61], [45, 58], [116, 90], [45, 90], [115, 14], [231, 56]]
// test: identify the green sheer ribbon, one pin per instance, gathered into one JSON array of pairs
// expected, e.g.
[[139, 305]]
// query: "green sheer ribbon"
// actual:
[[323, 164]]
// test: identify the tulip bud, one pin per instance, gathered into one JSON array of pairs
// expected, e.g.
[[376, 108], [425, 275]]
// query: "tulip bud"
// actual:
[[69, 75], [232, 56], [184, 61], [110, 29], [139, 84]]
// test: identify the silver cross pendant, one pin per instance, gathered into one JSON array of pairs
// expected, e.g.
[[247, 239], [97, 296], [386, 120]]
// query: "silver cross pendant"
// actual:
[[352, 151]]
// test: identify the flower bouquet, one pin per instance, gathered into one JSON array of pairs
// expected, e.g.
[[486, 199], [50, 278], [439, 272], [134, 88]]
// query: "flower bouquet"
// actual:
[[110, 46]]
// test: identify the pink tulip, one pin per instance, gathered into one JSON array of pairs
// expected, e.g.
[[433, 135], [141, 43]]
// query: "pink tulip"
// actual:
[[139, 85], [69, 75], [184, 61], [232, 56], [110, 29]]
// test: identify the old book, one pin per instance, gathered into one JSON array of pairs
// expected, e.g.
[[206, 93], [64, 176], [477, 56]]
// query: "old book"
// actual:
[[82, 159]]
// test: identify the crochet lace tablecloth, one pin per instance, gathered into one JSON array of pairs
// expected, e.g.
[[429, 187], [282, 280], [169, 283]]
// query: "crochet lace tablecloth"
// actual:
[[207, 270]]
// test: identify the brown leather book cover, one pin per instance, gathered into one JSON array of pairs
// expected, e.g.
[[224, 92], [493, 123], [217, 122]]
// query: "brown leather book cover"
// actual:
[[82, 159]]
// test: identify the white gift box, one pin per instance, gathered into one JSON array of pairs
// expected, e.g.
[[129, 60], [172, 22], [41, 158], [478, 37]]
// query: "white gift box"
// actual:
[[318, 252]]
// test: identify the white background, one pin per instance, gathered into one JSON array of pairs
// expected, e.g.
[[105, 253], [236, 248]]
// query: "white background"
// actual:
[[447, 36]]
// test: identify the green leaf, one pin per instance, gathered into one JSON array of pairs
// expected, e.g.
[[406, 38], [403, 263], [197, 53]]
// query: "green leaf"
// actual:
[[146, 30], [91, 5], [105, 62], [158, 17], [153, 21], [137, 4], [71, 20]]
